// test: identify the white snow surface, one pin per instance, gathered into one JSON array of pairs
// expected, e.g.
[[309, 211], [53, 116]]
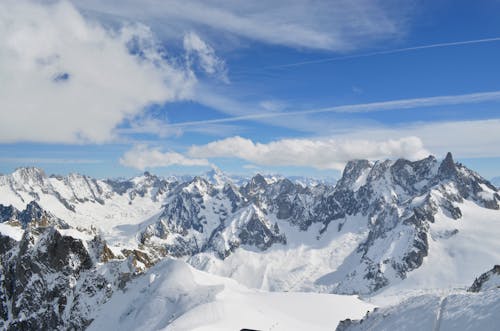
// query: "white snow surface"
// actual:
[[15, 232], [460, 311], [292, 267], [456, 259], [174, 296]]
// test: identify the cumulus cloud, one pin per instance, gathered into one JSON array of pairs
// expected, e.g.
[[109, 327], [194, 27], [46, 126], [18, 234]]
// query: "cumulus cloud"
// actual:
[[318, 153], [66, 79], [197, 49], [142, 157], [471, 139]]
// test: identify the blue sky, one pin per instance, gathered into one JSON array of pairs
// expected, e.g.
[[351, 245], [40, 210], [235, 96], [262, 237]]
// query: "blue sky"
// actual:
[[247, 87]]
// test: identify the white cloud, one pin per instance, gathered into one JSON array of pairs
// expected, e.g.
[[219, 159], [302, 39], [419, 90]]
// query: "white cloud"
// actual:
[[66, 79], [318, 153], [334, 25], [142, 157], [208, 61], [466, 139]]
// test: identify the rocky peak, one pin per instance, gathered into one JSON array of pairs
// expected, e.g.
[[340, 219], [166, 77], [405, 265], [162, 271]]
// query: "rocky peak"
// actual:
[[143, 185], [488, 280], [256, 183], [30, 176], [407, 174], [353, 171], [448, 168], [199, 185]]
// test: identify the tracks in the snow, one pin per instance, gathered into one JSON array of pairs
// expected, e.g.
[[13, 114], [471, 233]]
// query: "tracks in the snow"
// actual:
[[439, 314]]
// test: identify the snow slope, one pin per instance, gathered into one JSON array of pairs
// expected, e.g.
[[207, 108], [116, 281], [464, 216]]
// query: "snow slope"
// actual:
[[459, 251], [296, 266], [174, 296], [461, 311]]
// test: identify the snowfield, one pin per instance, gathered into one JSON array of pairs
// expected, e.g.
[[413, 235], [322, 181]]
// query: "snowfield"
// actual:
[[174, 296], [461, 311]]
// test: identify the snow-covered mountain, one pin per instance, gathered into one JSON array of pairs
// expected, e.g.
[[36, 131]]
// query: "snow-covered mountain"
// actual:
[[385, 228]]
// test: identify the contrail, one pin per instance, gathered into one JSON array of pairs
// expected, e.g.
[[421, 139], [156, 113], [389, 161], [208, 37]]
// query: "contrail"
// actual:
[[391, 51], [362, 108]]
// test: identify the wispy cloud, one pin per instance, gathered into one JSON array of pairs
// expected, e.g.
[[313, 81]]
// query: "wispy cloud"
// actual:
[[334, 25], [210, 63], [386, 52], [413, 103]]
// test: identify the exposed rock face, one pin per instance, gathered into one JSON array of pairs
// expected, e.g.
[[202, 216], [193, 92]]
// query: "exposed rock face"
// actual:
[[52, 281], [199, 216], [33, 215], [488, 280]]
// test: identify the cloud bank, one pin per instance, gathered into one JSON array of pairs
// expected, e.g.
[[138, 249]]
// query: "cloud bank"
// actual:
[[317, 153], [466, 139]]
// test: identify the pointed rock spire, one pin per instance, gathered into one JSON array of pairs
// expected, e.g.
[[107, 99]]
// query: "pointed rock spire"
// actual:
[[448, 167]]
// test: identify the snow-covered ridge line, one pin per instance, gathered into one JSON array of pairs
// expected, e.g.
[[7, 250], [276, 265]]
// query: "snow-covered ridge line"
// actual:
[[391, 225], [390, 213]]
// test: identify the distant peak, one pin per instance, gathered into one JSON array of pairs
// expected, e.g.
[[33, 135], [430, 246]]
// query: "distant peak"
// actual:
[[258, 178], [29, 170], [29, 174]]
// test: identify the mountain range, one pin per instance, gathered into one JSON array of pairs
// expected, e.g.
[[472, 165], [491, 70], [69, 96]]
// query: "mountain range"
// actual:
[[75, 250]]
